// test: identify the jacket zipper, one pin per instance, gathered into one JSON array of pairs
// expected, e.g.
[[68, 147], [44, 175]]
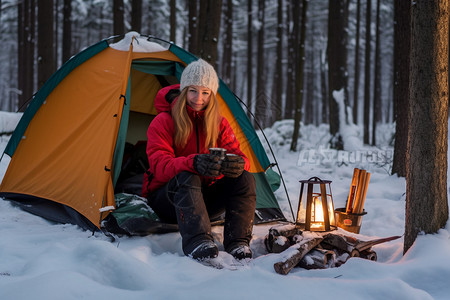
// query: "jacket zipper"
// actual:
[[196, 132]]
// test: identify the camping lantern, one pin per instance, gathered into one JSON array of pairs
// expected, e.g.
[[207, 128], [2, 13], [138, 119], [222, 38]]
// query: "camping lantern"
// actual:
[[317, 212]]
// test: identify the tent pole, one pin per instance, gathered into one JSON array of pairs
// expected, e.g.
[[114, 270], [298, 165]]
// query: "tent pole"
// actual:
[[271, 151]]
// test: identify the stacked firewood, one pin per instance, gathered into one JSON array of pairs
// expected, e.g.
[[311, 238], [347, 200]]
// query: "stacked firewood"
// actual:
[[316, 250]]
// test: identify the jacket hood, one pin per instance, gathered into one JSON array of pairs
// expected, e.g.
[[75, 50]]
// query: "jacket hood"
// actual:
[[166, 97]]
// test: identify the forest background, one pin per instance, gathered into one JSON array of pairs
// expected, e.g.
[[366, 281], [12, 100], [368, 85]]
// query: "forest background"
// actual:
[[254, 44], [335, 62]]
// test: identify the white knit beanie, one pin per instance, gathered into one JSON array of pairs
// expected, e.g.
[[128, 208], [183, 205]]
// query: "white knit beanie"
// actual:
[[200, 73]]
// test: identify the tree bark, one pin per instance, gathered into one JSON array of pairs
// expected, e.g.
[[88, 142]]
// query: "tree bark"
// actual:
[[357, 71], [337, 66], [227, 55], [249, 57], [118, 11], [210, 15], [402, 38], [262, 101], [46, 59], [277, 89], [377, 80], [193, 27], [299, 78], [426, 178], [173, 20], [67, 31], [136, 15], [367, 62]]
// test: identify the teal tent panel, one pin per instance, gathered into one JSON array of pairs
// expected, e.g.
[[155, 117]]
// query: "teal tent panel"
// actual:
[[46, 89], [122, 134], [157, 67]]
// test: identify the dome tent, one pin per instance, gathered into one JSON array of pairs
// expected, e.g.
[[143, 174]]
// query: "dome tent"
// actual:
[[67, 149]]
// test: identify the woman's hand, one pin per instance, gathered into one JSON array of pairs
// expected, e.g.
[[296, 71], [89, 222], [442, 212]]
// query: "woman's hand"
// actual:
[[207, 165], [232, 166]]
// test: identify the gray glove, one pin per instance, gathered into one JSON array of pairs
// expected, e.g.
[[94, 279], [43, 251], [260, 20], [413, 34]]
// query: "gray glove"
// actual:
[[232, 166], [207, 165]]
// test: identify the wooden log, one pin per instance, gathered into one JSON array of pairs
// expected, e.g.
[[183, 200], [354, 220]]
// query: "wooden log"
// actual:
[[369, 254], [295, 253], [360, 189], [365, 245], [352, 193], [318, 259], [280, 237], [359, 209]]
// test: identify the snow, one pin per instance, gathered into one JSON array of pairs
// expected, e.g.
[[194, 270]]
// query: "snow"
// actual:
[[140, 44], [43, 260]]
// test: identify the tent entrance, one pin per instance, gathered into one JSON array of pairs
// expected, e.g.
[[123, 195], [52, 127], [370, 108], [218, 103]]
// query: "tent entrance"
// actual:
[[146, 79]]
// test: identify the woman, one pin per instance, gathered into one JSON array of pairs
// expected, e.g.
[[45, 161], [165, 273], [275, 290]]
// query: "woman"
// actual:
[[184, 183]]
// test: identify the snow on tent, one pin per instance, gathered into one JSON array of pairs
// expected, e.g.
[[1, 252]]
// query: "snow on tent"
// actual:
[[70, 147]]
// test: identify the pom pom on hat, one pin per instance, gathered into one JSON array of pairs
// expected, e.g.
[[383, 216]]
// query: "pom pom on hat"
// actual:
[[200, 73]]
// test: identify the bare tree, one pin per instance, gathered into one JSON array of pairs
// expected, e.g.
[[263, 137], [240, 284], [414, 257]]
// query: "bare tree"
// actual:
[[277, 87], [193, 26], [402, 39], [227, 55], [261, 97], [249, 56], [300, 78], [377, 80], [337, 64], [46, 58], [26, 27], [136, 15], [209, 25], [118, 18], [367, 74], [357, 71], [173, 20], [67, 31], [426, 178]]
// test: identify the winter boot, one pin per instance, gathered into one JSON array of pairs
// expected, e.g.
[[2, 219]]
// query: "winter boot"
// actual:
[[240, 250], [204, 249]]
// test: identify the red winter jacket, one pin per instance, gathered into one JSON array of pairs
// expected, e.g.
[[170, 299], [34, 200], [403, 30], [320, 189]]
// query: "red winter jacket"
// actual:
[[165, 159]]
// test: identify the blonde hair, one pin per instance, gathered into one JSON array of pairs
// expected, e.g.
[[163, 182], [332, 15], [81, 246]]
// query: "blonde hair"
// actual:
[[183, 124]]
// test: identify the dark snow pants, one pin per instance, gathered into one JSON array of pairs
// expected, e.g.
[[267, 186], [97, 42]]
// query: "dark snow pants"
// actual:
[[184, 200]]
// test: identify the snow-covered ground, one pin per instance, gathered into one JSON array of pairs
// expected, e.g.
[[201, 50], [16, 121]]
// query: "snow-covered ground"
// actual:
[[43, 260]]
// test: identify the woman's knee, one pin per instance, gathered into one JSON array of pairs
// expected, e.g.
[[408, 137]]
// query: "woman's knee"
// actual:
[[189, 179]]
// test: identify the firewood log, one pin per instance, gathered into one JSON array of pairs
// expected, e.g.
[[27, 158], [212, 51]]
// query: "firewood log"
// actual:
[[318, 259], [295, 253]]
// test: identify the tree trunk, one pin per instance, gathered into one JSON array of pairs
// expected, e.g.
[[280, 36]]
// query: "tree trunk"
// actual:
[[173, 20], [324, 87], [293, 48], [356, 85], [377, 80], [67, 31], [299, 78], [227, 55], [426, 178], [337, 64], [310, 98], [210, 15], [402, 38], [118, 11], [367, 75], [26, 22], [46, 59], [136, 15], [277, 88], [261, 98], [249, 57], [193, 27]]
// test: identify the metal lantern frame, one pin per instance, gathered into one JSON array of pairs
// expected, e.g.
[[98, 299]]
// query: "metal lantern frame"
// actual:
[[326, 199]]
